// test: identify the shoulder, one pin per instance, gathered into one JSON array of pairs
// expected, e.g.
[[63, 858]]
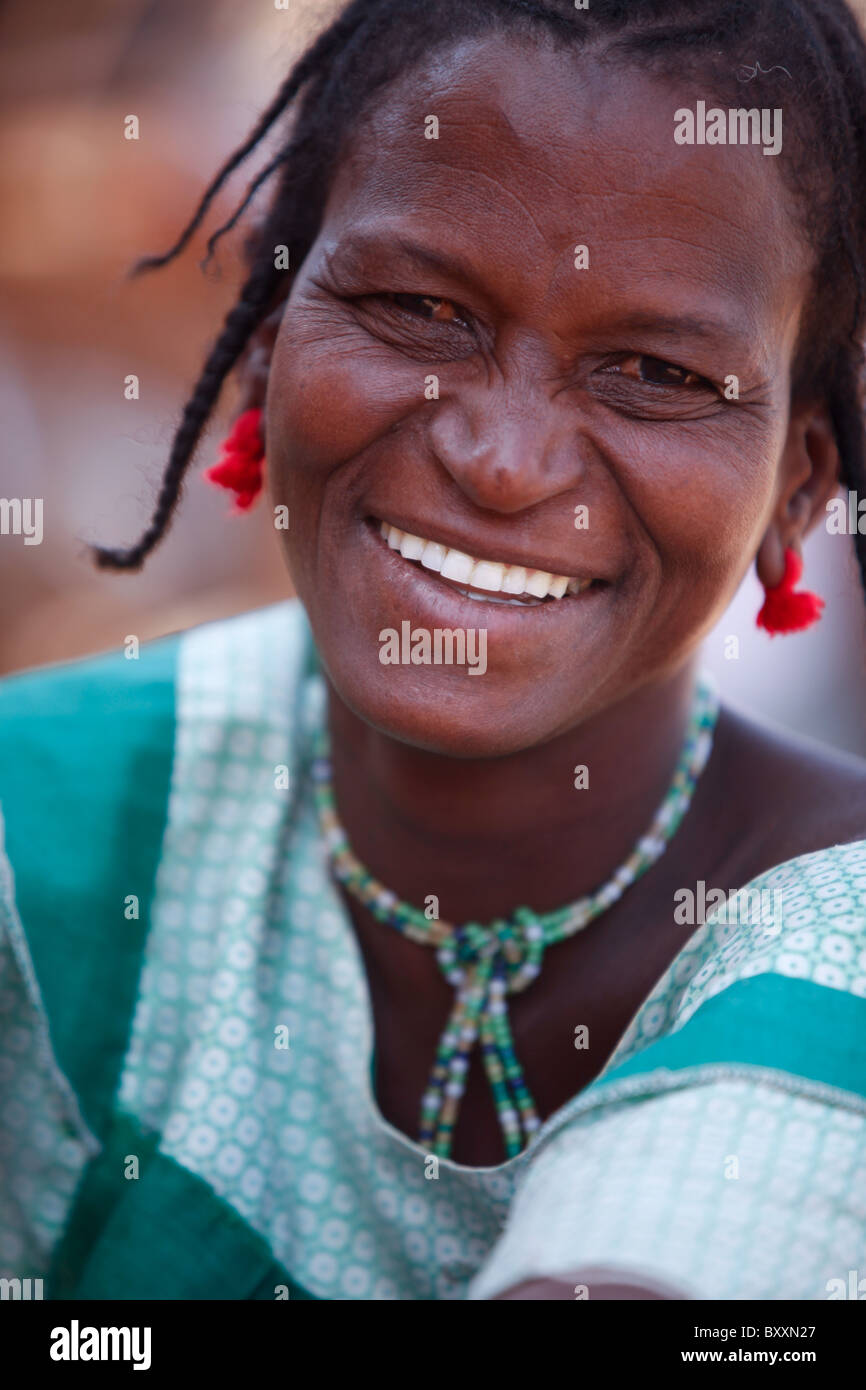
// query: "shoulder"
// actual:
[[64, 725], [798, 809], [106, 709], [785, 957], [85, 762], [42, 703], [101, 730], [88, 746], [797, 795]]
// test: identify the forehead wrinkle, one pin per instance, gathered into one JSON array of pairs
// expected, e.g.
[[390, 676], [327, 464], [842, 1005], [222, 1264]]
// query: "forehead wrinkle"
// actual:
[[509, 194], [712, 269], [480, 122], [386, 178], [381, 208], [381, 177], [737, 269]]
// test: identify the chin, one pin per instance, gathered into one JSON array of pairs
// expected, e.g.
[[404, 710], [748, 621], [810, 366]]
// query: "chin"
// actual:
[[449, 712]]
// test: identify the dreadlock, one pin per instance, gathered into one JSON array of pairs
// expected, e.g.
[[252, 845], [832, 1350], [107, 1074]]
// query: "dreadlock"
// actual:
[[371, 43]]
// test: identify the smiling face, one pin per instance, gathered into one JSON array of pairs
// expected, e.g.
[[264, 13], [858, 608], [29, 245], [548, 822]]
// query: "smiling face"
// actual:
[[558, 386]]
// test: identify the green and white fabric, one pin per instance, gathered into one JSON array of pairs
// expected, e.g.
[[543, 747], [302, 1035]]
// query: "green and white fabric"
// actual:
[[180, 986]]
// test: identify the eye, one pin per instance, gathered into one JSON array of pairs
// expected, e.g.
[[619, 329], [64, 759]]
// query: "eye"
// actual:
[[656, 372], [431, 307]]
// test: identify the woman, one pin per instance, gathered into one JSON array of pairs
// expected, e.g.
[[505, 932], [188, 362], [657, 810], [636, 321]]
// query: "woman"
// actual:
[[281, 1019]]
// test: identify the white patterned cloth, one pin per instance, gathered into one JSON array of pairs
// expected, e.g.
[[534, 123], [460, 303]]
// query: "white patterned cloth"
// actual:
[[721, 1188]]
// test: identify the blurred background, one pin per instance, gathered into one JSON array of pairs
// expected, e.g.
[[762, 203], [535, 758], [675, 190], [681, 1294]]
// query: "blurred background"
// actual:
[[81, 203]]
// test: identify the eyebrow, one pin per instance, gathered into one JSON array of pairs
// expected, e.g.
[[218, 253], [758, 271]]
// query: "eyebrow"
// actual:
[[391, 244], [397, 245], [684, 326]]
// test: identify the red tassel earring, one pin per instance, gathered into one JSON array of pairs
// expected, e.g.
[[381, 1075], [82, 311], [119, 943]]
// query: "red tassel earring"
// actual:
[[240, 466], [787, 611]]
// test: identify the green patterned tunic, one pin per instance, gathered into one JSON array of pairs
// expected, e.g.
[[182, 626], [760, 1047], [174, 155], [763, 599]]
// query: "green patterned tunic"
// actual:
[[186, 1037]]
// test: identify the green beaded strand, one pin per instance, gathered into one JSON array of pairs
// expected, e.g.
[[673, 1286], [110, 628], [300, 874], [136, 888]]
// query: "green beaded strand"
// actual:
[[487, 963]]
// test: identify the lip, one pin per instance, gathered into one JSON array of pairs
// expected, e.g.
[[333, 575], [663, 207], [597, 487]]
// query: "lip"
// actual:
[[479, 550], [443, 597]]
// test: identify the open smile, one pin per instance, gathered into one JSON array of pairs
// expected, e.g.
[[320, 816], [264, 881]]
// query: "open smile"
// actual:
[[487, 581]]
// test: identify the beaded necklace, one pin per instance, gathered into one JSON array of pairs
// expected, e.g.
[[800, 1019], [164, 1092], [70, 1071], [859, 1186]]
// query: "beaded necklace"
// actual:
[[486, 963]]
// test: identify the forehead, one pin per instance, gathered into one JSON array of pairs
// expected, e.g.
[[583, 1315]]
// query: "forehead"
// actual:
[[540, 149]]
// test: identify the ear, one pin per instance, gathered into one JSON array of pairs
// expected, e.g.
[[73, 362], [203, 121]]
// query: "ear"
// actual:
[[809, 470], [254, 366]]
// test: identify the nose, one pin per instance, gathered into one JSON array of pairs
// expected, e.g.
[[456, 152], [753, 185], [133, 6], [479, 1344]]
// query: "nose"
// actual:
[[509, 445]]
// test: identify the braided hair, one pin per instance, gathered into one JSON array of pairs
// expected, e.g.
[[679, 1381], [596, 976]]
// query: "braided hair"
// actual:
[[813, 50]]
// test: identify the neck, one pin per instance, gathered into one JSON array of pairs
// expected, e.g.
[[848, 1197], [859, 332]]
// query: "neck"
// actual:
[[486, 836]]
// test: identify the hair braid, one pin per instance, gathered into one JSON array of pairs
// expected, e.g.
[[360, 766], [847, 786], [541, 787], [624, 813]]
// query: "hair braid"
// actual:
[[326, 84], [240, 322], [311, 62]]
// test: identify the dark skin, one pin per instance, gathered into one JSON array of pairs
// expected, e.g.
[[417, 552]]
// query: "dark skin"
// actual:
[[557, 387]]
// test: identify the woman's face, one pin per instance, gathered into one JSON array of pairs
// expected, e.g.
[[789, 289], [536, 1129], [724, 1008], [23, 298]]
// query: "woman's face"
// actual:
[[450, 365]]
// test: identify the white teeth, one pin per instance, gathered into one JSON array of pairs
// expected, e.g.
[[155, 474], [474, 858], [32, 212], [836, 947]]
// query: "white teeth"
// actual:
[[487, 575], [538, 583], [457, 566], [514, 580], [411, 547], [433, 556]]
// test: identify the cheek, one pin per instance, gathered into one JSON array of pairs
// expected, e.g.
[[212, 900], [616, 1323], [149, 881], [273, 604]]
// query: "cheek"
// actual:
[[704, 495], [333, 391]]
